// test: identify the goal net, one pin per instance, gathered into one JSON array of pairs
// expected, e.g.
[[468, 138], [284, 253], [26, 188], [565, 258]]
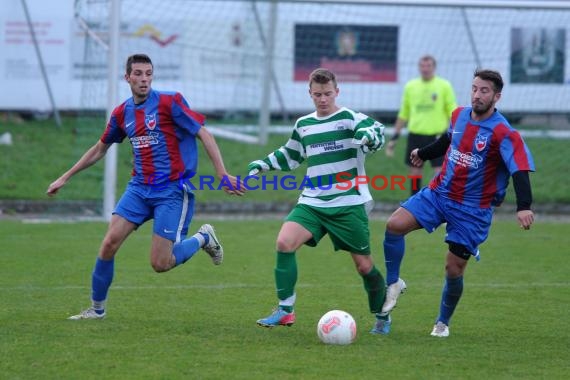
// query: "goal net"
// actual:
[[235, 60]]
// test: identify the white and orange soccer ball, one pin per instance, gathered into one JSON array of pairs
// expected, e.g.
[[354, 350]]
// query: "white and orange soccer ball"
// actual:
[[337, 327]]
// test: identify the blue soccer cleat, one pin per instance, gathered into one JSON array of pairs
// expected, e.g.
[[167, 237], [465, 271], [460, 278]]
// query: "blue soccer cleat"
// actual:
[[279, 317], [382, 326]]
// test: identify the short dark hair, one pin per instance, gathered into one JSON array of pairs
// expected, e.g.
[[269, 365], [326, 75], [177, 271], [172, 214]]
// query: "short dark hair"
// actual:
[[137, 58], [492, 76], [428, 57], [322, 76]]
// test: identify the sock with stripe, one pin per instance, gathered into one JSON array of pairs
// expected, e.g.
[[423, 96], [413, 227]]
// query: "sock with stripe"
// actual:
[[285, 279], [101, 280], [185, 249]]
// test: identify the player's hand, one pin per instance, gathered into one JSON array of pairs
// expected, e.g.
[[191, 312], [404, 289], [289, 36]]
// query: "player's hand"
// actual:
[[390, 148], [254, 168], [525, 218], [370, 138], [236, 187], [415, 159], [55, 186]]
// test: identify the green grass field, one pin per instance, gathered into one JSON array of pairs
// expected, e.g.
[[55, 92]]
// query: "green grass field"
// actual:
[[198, 321], [41, 152]]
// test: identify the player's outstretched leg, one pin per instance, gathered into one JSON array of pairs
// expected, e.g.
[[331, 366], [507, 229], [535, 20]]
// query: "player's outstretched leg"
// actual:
[[206, 239], [212, 245], [285, 280], [400, 223], [100, 282], [394, 247]]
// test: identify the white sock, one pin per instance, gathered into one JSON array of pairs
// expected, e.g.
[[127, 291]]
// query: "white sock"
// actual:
[[201, 239], [288, 301]]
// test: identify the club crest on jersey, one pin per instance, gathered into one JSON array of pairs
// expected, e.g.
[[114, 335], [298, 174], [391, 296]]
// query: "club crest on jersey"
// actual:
[[480, 142], [150, 121]]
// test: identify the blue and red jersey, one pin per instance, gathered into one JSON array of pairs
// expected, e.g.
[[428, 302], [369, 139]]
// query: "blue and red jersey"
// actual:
[[480, 159], [162, 131]]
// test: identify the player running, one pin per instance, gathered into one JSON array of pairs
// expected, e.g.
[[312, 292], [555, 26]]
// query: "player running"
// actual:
[[162, 130], [333, 141], [481, 151]]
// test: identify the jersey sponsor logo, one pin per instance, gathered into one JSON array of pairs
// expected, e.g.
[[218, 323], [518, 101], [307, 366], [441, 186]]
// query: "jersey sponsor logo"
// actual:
[[480, 142], [467, 160], [139, 142], [331, 146], [150, 121]]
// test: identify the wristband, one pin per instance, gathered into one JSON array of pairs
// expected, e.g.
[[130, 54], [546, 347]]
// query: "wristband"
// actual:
[[395, 136]]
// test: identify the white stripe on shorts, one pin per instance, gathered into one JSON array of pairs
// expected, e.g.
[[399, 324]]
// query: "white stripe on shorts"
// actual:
[[182, 215]]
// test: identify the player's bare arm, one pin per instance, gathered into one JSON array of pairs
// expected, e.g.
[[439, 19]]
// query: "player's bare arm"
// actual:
[[90, 157], [215, 156]]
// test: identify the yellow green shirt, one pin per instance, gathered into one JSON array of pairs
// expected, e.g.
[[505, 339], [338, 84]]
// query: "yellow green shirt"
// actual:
[[427, 106]]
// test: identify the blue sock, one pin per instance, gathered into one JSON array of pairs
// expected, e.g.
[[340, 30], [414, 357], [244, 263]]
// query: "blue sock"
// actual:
[[394, 247], [450, 296], [100, 282], [185, 249], [206, 238]]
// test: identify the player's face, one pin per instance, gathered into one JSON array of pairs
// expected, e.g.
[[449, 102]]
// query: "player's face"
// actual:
[[324, 97], [427, 69], [483, 96], [140, 79]]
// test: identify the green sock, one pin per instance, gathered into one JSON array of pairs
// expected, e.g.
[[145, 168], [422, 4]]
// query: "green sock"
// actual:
[[286, 277], [376, 288]]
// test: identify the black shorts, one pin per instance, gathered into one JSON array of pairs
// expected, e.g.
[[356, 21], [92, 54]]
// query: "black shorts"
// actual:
[[419, 141]]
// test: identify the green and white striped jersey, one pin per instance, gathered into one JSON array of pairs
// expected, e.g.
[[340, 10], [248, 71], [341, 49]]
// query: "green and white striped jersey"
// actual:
[[333, 157]]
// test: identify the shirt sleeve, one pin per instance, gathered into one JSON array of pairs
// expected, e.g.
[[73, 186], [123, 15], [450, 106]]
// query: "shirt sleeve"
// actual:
[[184, 117], [404, 113], [450, 101], [288, 157], [515, 153], [114, 133]]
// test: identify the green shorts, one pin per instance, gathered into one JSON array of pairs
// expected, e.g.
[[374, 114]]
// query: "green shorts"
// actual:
[[347, 226]]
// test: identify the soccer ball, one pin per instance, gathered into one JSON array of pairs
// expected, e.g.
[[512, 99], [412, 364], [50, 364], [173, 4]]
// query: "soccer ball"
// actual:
[[336, 327]]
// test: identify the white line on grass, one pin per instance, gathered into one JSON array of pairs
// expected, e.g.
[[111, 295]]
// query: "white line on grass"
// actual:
[[253, 286]]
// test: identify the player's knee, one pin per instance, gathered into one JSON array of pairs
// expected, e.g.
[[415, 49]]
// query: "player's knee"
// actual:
[[286, 244], [363, 263], [363, 268], [396, 225], [457, 260], [109, 247], [160, 266]]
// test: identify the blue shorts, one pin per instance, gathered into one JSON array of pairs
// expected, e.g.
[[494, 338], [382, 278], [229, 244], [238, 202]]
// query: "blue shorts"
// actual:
[[169, 205], [466, 225]]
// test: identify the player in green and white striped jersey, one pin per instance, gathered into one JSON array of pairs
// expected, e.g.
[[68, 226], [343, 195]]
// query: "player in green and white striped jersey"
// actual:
[[333, 141]]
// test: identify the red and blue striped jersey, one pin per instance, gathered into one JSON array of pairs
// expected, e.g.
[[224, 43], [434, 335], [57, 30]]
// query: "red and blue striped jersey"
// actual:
[[162, 131], [480, 159]]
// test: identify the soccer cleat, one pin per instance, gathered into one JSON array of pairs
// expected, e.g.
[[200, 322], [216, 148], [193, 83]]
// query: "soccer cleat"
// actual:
[[382, 326], [87, 314], [392, 294], [441, 330], [279, 317], [213, 248]]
